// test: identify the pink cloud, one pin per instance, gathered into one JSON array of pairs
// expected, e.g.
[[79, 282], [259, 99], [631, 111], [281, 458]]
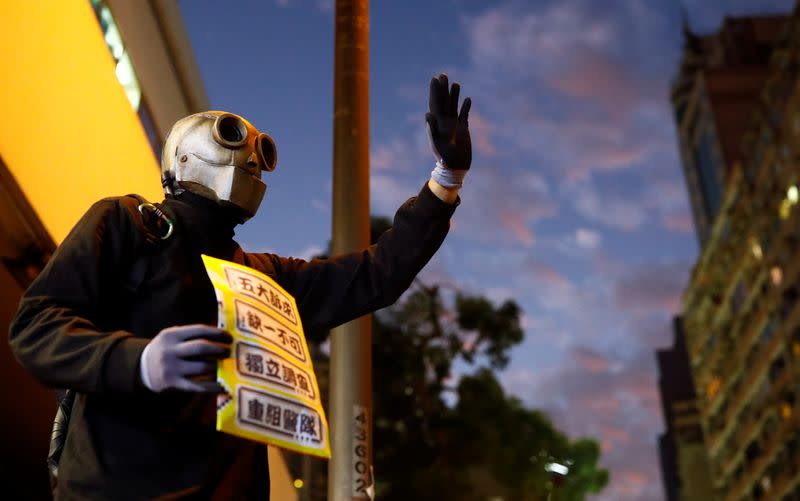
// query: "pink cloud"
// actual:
[[598, 145], [679, 222], [541, 37], [668, 198], [546, 274], [402, 155], [388, 191], [652, 287], [516, 223], [598, 404], [389, 155], [554, 74], [587, 238], [613, 438], [480, 130], [606, 265], [610, 209], [631, 483], [504, 205], [595, 75], [590, 360], [622, 157]]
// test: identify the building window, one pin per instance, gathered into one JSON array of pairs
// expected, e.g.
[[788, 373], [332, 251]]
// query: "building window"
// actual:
[[753, 451], [738, 297], [776, 369], [768, 330], [149, 128], [124, 67], [707, 164], [125, 72]]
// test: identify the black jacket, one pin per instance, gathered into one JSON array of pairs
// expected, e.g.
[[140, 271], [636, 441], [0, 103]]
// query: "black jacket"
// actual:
[[85, 320]]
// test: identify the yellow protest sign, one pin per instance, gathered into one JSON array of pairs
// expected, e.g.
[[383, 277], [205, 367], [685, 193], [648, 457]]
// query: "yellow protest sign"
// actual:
[[271, 390]]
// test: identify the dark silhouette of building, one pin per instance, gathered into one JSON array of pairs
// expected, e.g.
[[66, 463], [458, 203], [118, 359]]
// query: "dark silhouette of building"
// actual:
[[737, 106], [684, 462], [718, 84]]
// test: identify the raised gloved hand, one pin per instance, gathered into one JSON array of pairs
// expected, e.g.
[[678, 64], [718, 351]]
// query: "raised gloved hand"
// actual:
[[180, 357], [448, 131]]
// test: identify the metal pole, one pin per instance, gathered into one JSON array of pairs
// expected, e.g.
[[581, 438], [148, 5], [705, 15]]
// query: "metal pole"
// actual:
[[350, 468]]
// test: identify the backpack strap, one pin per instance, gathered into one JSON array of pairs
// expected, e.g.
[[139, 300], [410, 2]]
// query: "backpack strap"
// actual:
[[157, 225], [59, 435]]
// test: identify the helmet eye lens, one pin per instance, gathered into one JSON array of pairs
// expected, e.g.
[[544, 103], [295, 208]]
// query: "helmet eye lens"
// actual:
[[267, 152], [230, 131]]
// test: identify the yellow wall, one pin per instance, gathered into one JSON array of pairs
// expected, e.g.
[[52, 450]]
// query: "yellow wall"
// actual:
[[67, 132]]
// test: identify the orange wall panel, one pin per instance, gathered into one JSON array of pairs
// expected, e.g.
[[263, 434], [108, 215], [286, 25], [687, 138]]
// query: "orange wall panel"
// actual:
[[68, 133]]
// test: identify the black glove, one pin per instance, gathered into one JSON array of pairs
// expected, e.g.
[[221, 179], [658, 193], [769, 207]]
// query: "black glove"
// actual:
[[185, 358], [447, 128]]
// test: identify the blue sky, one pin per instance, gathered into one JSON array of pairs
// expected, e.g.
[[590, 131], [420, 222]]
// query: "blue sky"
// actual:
[[575, 206]]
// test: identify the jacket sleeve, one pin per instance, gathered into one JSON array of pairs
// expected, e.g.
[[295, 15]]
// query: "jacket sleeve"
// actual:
[[330, 292], [57, 333]]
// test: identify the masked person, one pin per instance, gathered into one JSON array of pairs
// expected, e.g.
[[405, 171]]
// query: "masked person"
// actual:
[[126, 323]]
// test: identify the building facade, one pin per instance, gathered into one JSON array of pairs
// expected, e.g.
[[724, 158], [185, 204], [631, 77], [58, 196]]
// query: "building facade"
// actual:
[[718, 83], [684, 462], [90, 90], [741, 319]]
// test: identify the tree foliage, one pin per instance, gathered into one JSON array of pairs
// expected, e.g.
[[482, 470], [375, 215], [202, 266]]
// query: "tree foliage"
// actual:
[[435, 438], [440, 439]]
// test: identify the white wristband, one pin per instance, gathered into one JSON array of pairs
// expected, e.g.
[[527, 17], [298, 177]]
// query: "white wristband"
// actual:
[[448, 178]]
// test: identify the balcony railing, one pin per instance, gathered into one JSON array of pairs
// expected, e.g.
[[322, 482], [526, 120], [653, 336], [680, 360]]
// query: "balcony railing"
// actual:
[[754, 471], [757, 373]]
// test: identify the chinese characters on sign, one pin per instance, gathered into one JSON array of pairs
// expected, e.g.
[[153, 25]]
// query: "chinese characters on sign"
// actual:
[[272, 392], [268, 366], [247, 283], [280, 416], [251, 320]]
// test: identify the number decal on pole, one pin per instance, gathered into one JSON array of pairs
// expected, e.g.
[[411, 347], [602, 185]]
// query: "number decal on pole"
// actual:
[[362, 481]]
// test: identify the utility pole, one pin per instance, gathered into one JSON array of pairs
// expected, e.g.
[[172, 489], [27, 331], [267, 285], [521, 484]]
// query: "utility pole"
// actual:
[[350, 468]]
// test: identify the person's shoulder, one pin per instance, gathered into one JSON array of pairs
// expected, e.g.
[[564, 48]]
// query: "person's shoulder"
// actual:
[[120, 201], [123, 203], [104, 218], [115, 210], [113, 203], [103, 208]]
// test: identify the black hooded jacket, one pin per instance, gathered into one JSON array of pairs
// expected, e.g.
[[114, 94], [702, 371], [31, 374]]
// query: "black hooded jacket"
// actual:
[[105, 293]]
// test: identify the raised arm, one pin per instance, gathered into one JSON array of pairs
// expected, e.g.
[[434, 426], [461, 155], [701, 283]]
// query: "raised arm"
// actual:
[[332, 291]]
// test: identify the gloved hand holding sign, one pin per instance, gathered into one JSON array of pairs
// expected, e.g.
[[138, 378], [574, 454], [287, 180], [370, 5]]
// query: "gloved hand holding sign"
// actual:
[[177, 356]]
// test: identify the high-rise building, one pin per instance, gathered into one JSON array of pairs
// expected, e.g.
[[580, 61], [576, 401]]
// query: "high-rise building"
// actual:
[[90, 90], [740, 308], [684, 461], [716, 89]]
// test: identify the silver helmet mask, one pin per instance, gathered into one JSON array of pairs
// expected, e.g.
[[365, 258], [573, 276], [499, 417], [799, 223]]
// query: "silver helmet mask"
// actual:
[[218, 156]]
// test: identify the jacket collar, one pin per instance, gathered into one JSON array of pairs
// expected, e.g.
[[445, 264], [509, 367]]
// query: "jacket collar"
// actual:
[[201, 220]]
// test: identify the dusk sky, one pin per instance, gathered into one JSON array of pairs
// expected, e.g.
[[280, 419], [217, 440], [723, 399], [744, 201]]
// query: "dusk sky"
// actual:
[[575, 206]]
